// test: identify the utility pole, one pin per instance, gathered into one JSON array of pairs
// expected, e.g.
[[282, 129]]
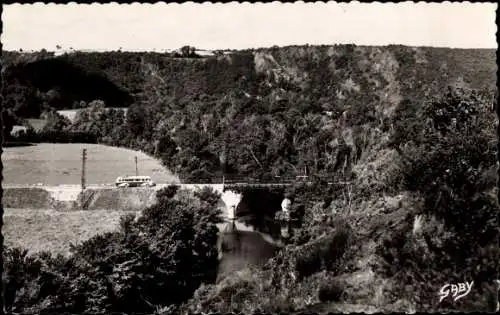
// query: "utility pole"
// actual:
[[222, 160], [136, 169], [84, 161]]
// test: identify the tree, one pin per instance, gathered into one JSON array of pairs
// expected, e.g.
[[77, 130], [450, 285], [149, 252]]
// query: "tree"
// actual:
[[157, 260], [8, 121], [96, 119], [188, 51], [56, 122], [450, 160]]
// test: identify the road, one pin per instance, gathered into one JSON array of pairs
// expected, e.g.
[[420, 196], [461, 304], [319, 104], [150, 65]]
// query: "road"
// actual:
[[164, 185]]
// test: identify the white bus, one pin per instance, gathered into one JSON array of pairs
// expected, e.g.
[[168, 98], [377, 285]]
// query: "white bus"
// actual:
[[134, 181]]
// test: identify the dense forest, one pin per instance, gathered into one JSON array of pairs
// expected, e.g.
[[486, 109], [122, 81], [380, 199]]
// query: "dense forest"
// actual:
[[413, 129], [263, 113]]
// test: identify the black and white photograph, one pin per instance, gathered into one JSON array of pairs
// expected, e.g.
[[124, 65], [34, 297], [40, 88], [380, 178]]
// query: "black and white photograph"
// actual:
[[304, 157]]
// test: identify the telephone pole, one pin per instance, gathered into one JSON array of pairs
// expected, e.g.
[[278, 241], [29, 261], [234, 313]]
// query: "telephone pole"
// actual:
[[136, 169], [84, 161]]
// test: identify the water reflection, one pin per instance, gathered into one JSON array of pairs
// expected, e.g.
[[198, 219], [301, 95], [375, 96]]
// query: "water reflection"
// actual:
[[240, 244]]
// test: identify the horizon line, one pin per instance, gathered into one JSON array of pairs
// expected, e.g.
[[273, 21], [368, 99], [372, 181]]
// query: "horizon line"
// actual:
[[172, 50]]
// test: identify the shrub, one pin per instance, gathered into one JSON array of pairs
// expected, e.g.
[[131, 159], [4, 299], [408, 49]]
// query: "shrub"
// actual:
[[324, 253], [331, 291], [450, 150], [170, 248]]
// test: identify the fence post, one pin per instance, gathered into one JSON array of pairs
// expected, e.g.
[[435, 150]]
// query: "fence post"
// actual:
[[136, 169]]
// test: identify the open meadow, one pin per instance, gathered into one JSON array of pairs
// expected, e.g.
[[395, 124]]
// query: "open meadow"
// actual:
[[40, 228], [54, 231], [61, 163]]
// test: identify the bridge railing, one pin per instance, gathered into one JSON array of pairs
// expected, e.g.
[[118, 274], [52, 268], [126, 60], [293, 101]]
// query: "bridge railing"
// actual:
[[269, 179], [278, 180]]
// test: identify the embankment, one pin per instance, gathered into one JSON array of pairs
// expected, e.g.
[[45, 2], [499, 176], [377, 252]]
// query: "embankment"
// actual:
[[132, 199], [27, 198], [70, 199]]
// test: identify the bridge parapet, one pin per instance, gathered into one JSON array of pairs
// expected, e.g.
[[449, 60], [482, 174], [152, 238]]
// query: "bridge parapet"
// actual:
[[217, 187]]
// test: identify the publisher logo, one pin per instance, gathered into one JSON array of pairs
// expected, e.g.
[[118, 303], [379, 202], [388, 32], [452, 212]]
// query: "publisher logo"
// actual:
[[457, 291]]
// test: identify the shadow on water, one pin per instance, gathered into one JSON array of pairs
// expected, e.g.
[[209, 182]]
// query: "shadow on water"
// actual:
[[258, 208], [240, 246], [250, 235]]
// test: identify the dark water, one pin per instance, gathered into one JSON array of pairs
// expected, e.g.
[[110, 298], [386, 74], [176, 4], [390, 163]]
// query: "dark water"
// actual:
[[241, 247]]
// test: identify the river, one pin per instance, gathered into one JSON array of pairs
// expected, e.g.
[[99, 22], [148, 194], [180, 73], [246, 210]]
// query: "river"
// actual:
[[240, 244]]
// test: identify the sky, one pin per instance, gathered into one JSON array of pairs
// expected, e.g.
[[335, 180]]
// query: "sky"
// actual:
[[159, 27]]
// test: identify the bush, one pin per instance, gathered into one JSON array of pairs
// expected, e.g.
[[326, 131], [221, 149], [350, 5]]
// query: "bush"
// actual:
[[60, 136], [168, 192], [447, 165], [55, 136], [448, 154], [330, 292], [170, 248], [325, 253]]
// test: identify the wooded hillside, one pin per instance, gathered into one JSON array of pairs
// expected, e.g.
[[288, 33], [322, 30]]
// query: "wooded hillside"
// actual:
[[413, 129], [257, 113]]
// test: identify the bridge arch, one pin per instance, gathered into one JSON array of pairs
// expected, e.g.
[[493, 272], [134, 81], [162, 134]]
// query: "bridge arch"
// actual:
[[230, 201], [258, 206], [253, 205]]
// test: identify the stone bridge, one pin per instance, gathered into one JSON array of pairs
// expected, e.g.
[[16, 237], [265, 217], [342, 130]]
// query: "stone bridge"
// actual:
[[107, 196]]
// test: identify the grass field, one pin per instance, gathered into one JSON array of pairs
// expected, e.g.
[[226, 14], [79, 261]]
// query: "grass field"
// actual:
[[60, 164], [41, 229]]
